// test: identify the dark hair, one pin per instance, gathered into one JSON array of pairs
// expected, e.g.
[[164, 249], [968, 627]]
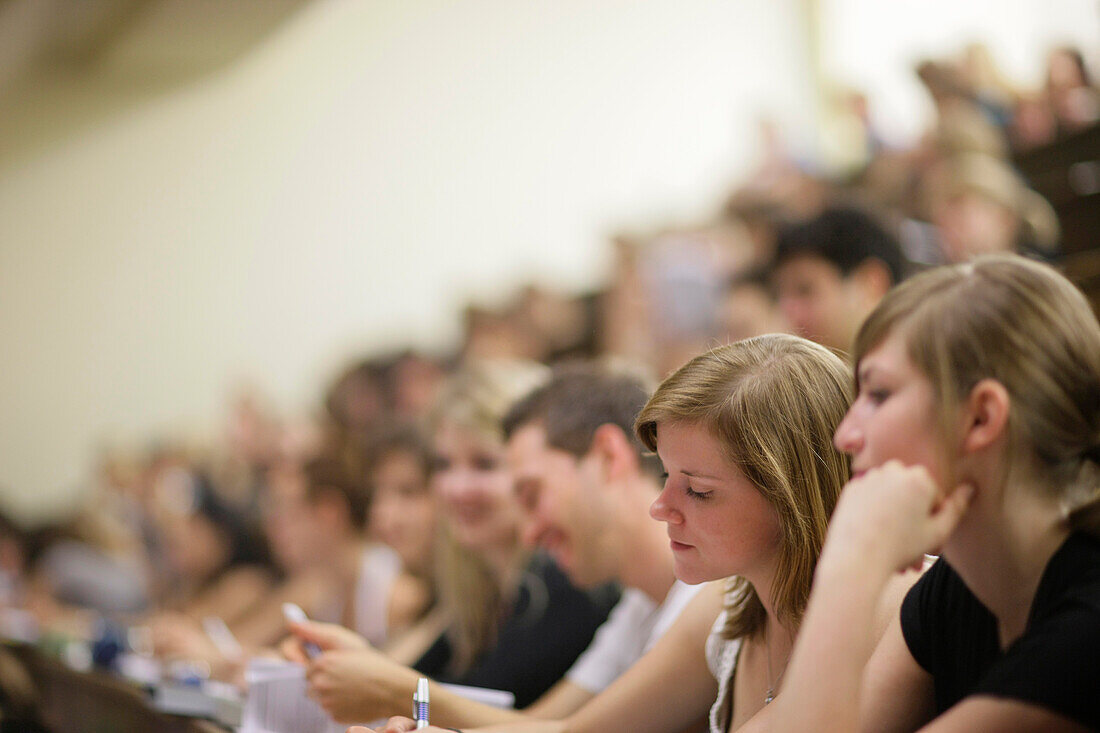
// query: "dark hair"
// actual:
[[844, 236], [396, 438], [246, 546], [328, 474], [578, 399]]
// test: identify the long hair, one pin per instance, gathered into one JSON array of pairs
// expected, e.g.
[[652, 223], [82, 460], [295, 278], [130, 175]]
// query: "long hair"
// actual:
[[773, 403], [476, 400], [1024, 325]]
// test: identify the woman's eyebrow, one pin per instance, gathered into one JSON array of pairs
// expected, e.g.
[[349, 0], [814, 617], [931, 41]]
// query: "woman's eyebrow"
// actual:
[[700, 475]]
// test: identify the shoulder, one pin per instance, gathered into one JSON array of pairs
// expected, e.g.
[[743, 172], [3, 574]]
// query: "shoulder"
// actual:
[[1054, 664]]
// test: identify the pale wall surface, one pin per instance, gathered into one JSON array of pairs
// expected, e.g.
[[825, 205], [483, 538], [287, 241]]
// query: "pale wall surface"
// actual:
[[347, 185]]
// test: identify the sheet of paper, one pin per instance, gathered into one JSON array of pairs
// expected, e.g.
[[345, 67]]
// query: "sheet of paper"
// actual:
[[277, 701]]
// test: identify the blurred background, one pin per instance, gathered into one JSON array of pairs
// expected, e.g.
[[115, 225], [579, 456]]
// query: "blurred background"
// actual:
[[223, 223]]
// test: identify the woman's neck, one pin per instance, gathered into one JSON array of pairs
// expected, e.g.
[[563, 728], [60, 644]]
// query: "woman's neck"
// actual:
[[1001, 550]]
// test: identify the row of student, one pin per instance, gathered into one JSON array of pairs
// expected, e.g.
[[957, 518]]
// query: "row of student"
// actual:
[[974, 432], [952, 195]]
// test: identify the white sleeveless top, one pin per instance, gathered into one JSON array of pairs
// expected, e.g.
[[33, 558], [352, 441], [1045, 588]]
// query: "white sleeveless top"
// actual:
[[377, 572], [721, 660]]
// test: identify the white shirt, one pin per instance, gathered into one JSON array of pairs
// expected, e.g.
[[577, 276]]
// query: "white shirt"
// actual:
[[632, 627], [721, 660], [378, 570]]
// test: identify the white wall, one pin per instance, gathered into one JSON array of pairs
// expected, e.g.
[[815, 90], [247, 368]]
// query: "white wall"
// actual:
[[347, 185]]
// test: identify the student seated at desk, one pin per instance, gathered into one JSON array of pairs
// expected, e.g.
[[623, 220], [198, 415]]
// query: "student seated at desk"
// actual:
[[315, 521], [745, 435], [516, 623], [976, 431], [215, 566]]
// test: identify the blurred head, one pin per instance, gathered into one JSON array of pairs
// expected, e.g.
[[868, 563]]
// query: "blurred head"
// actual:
[[942, 342], [470, 474], [356, 401], [403, 510], [980, 206], [749, 308], [312, 510], [831, 271], [573, 453], [745, 434], [1066, 69], [202, 533]]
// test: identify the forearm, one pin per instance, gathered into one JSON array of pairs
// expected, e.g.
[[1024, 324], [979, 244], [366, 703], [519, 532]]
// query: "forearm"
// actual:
[[835, 641], [451, 709]]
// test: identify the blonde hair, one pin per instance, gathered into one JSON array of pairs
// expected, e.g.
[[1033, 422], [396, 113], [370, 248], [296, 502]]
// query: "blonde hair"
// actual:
[[1019, 322], [773, 402], [476, 400]]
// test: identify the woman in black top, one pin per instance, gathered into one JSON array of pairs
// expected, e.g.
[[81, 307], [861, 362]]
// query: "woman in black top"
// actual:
[[975, 433]]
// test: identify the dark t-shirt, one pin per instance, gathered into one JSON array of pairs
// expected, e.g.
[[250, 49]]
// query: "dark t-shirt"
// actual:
[[1055, 664], [547, 627]]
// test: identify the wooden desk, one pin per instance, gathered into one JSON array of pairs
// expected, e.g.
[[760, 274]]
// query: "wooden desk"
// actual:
[[96, 702]]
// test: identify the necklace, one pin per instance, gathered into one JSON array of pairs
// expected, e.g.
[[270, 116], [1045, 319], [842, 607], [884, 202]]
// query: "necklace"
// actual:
[[773, 682]]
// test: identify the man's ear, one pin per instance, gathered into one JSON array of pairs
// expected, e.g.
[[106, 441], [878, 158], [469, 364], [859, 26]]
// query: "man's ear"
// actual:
[[615, 451], [985, 415], [873, 278]]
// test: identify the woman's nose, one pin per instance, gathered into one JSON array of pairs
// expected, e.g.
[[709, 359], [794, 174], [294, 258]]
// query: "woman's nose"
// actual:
[[663, 510], [848, 437]]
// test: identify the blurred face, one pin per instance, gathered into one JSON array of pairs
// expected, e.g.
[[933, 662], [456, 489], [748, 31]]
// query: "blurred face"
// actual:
[[748, 310], [196, 549], [288, 518], [972, 224], [403, 510], [816, 300], [719, 524], [562, 505], [474, 486], [893, 416]]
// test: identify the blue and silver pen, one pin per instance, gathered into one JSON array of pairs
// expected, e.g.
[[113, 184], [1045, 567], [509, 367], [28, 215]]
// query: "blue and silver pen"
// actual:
[[420, 703]]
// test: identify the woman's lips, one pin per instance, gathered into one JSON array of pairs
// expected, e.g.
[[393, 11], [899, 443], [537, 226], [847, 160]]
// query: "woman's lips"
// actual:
[[678, 546]]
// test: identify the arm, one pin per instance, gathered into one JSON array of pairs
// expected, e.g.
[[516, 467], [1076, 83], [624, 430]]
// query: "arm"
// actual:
[[639, 700], [364, 684], [884, 522]]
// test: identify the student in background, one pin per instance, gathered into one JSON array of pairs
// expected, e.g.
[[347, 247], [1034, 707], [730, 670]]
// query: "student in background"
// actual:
[[403, 517], [516, 623], [746, 495], [831, 271], [585, 483], [976, 433]]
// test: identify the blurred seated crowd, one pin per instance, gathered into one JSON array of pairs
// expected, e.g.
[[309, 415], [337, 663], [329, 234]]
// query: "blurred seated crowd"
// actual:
[[390, 511]]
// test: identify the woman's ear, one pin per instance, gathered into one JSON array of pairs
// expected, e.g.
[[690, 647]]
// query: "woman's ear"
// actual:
[[985, 415]]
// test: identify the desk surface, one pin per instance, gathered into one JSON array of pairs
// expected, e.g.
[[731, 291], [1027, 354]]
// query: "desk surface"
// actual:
[[95, 702]]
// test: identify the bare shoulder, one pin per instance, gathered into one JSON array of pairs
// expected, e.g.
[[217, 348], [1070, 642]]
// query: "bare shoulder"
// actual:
[[701, 611], [409, 599]]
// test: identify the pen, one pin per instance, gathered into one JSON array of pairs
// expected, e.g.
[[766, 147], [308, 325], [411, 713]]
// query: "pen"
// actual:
[[420, 703], [294, 613]]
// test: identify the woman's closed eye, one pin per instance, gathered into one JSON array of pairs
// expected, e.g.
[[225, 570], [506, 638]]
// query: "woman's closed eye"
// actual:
[[701, 495]]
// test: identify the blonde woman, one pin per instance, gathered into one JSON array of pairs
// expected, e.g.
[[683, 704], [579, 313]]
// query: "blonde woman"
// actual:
[[745, 434], [515, 622], [976, 432]]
